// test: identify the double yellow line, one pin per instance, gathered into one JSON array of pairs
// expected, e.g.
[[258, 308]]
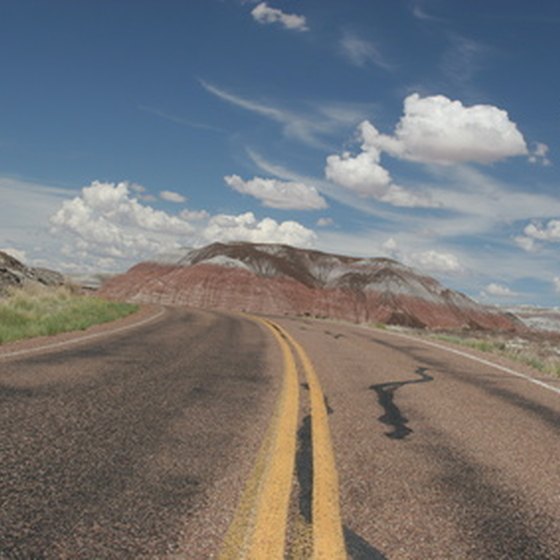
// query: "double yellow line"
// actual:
[[258, 530]]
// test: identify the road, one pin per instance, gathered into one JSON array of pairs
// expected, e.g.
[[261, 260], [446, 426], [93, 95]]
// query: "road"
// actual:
[[210, 435]]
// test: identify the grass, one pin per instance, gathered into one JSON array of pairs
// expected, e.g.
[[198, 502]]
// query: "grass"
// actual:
[[37, 311], [540, 356]]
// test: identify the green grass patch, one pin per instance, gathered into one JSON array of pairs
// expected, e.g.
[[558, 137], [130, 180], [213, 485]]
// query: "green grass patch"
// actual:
[[481, 345], [38, 311]]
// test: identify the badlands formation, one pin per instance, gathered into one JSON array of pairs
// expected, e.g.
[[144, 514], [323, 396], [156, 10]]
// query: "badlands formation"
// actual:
[[282, 280]]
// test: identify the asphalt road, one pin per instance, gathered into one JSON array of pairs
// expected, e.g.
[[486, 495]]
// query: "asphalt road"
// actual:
[[438, 456], [161, 442], [132, 446]]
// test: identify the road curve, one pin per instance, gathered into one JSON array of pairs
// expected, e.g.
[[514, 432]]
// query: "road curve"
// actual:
[[438, 456], [163, 441], [134, 445]]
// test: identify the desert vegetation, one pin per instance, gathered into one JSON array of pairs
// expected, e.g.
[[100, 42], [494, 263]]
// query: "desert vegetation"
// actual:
[[36, 310], [540, 351]]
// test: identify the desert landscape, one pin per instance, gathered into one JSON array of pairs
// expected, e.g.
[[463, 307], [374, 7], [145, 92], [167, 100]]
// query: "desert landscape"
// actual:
[[279, 280]]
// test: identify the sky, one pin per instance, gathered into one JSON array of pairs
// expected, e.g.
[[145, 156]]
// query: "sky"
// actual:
[[422, 130]]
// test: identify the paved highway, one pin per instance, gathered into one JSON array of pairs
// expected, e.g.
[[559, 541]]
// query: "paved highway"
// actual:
[[209, 435]]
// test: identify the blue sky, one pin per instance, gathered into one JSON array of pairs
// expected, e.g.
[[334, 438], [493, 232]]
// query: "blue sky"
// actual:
[[418, 130]]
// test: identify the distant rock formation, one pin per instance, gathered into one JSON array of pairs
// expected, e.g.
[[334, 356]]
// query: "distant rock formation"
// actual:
[[15, 273], [538, 318], [283, 280]]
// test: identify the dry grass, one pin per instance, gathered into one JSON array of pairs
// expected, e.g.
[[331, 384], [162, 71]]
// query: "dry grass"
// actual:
[[35, 310], [539, 351]]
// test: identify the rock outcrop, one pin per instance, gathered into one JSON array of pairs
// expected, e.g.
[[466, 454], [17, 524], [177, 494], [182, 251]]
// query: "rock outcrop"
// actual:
[[279, 279], [15, 273]]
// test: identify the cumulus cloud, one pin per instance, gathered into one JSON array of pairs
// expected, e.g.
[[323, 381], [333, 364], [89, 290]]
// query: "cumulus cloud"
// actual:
[[264, 14], [105, 219], [544, 232], [434, 130], [246, 227], [286, 195], [107, 224], [437, 130], [435, 261], [534, 232], [556, 283], [361, 52], [364, 175], [171, 196], [498, 290], [539, 154]]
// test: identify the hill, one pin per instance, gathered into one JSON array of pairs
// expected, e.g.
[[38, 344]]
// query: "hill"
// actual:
[[15, 273], [279, 279]]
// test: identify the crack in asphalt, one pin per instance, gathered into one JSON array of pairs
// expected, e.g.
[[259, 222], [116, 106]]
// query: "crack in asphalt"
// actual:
[[386, 396], [356, 546]]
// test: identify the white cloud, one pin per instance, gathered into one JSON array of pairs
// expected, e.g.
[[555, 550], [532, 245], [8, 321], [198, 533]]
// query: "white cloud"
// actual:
[[106, 222], [361, 174], [364, 175], [438, 130], [398, 196], [308, 125], [525, 243], [361, 52], [135, 187], [391, 247], [279, 194], [435, 261], [498, 290], [537, 234], [325, 222], [246, 227], [171, 196], [194, 215], [539, 154], [433, 130], [548, 232], [264, 14], [343, 196], [556, 283]]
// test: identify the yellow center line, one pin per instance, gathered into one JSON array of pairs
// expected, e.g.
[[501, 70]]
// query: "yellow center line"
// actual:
[[328, 537], [258, 530]]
